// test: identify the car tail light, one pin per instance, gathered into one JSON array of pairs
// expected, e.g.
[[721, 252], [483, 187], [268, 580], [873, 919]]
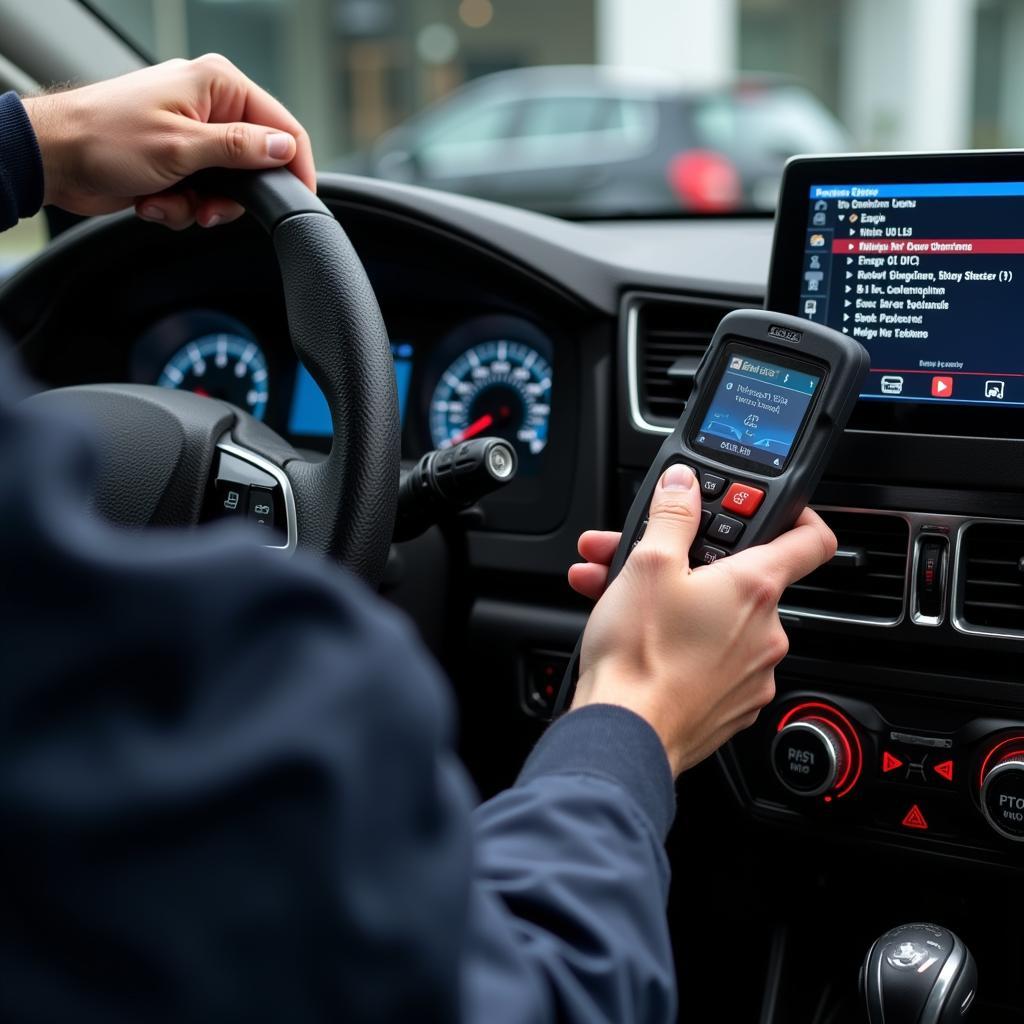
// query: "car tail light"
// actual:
[[705, 181]]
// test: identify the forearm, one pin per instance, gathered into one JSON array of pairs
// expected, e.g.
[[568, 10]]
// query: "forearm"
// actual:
[[571, 880], [21, 167]]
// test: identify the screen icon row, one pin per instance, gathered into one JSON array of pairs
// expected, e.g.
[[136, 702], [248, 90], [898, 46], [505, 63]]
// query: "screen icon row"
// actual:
[[941, 387]]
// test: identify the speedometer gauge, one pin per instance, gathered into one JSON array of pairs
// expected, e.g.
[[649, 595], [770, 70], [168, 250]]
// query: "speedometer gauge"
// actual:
[[496, 388], [226, 366]]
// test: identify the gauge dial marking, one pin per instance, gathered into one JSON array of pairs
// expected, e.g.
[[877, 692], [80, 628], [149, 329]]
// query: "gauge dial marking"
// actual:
[[502, 387], [226, 366]]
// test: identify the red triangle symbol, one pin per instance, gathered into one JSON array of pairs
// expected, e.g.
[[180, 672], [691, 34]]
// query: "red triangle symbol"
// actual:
[[945, 769], [914, 819], [890, 762]]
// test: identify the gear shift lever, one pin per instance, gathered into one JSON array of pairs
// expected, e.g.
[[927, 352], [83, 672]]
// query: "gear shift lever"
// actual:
[[918, 974]]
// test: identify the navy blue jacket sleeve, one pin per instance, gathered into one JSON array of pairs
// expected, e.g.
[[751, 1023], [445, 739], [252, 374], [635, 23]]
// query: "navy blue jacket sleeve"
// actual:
[[21, 166], [228, 792], [567, 913]]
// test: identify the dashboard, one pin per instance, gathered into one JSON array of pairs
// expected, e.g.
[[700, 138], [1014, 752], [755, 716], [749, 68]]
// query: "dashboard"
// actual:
[[578, 342]]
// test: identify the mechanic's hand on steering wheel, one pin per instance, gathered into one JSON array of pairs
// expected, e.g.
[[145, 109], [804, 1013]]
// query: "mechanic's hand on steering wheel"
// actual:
[[128, 141], [693, 652]]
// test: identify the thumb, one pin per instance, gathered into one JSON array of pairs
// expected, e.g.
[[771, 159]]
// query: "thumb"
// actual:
[[249, 147], [674, 514]]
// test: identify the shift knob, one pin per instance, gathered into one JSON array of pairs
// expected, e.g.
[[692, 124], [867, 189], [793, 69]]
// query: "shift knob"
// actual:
[[918, 974]]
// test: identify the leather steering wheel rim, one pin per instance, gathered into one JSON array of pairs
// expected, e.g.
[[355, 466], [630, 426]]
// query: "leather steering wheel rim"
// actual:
[[346, 503]]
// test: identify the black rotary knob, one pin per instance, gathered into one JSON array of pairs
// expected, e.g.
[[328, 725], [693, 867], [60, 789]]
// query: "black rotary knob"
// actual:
[[816, 752]]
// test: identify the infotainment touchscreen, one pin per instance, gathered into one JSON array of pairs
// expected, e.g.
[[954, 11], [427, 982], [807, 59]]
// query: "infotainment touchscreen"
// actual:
[[928, 276]]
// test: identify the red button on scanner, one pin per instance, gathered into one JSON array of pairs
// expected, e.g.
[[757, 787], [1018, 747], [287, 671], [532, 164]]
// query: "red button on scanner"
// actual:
[[743, 499]]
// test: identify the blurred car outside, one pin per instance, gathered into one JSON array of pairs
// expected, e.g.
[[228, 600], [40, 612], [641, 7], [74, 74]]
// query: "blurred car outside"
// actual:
[[595, 141]]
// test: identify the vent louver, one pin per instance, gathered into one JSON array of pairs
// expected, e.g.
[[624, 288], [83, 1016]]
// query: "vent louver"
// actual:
[[671, 338], [991, 562], [867, 579]]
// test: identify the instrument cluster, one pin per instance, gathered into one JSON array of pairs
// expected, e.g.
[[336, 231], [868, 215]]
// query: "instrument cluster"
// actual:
[[491, 375]]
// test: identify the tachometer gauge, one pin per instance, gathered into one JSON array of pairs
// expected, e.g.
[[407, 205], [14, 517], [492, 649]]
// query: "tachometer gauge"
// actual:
[[227, 366], [496, 388]]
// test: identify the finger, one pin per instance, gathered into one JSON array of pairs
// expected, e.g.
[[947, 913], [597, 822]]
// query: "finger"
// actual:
[[588, 579], [262, 108], [235, 98], [173, 210], [674, 514], [236, 144], [213, 211], [791, 556], [599, 545]]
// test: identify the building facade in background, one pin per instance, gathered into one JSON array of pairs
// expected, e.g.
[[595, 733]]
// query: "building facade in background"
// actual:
[[907, 74]]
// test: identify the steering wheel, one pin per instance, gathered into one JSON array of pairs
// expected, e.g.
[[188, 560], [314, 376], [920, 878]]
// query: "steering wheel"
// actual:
[[158, 447]]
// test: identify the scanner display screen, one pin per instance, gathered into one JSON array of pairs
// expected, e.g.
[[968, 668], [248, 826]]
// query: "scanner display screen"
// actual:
[[756, 411]]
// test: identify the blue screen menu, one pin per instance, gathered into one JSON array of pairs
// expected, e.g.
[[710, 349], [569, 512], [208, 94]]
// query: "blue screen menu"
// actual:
[[929, 277], [757, 410]]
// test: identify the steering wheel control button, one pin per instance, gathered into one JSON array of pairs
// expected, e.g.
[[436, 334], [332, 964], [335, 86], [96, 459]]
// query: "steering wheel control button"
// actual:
[[1002, 790], [945, 770], [705, 521], [232, 499], [250, 490], [725, 531], [706, 554], [891, 762], [743, 499], [711, 486], [807, 757], [261, 507]]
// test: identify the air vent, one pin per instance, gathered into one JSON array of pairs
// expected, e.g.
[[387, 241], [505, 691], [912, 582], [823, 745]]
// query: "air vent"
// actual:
[[671, 338], [866, 581], [991, 560]]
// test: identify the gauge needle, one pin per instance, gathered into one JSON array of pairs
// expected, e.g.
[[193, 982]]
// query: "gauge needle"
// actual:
[[476, 427]]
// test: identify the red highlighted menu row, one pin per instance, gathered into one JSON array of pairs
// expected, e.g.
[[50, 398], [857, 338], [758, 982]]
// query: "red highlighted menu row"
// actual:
[[930, 246]]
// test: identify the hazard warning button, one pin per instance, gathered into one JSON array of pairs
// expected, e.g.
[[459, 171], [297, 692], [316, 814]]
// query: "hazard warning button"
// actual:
[[937, 817], [915, 819]]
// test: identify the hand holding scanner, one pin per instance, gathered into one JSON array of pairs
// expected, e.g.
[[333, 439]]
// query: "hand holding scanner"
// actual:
[[770, 400]]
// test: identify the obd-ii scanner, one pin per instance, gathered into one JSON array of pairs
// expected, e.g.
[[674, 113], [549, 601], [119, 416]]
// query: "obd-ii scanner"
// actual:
[[770, 400]]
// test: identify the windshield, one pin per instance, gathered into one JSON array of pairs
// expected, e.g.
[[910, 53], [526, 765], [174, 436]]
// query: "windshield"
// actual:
[[610, 108]]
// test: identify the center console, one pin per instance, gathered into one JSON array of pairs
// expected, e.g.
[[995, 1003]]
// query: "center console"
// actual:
[[881, 765], [900, 717]]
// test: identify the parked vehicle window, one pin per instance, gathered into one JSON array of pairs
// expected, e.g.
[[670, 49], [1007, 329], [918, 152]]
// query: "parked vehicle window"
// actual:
[[458, 142], [779, 120], [587, 128]]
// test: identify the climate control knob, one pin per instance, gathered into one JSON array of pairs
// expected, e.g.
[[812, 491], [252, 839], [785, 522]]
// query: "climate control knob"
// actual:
[[816, 751], [1002, 788]]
